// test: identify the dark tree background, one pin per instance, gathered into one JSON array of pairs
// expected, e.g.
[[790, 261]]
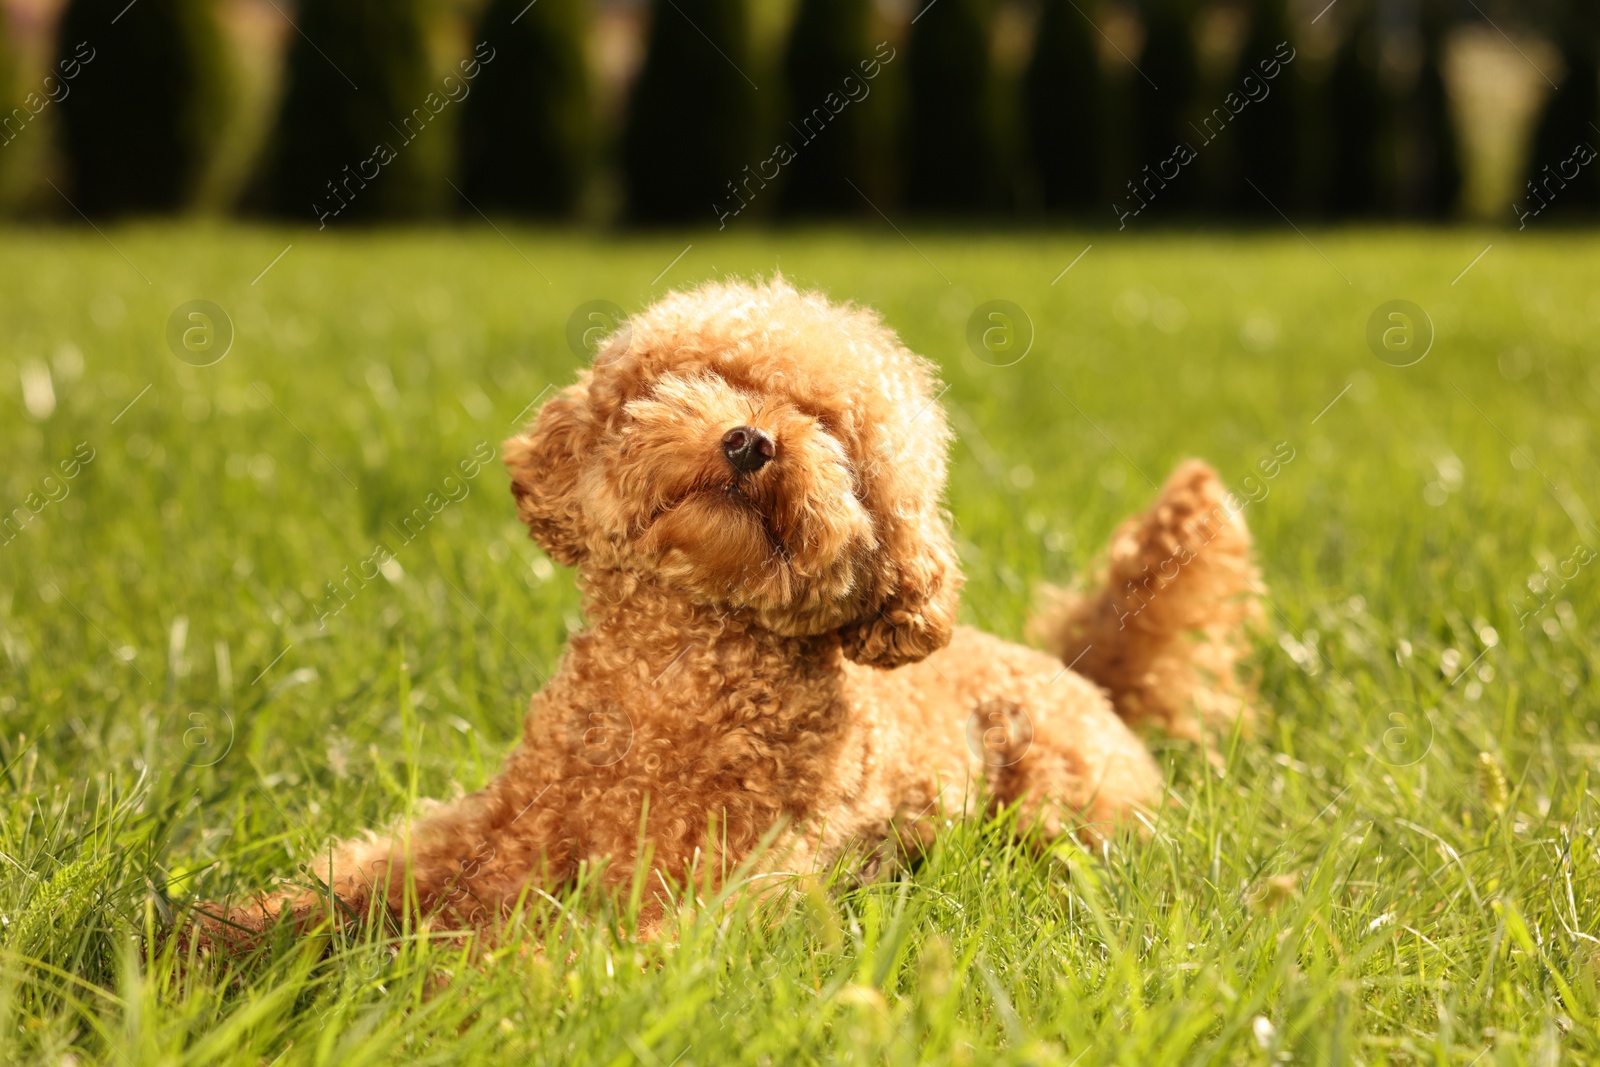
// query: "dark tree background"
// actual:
[[952, 152], [692, 117], [1570, 118], [525, 127], [1431, 179], [347, 93], [1354, 183], [10, 91], [1165, 98], [10, 97], [139, 121], [1065, 110], [366, 128], [1267, 134], [827, 44]]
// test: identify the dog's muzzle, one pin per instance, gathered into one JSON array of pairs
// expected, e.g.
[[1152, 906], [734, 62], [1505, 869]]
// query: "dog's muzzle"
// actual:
[[748, 449]]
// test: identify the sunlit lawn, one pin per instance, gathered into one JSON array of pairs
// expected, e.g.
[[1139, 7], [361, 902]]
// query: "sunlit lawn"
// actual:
[[183, 713]]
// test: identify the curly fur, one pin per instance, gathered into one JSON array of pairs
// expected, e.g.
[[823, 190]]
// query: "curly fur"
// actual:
[[1164, 624], [775, 652]]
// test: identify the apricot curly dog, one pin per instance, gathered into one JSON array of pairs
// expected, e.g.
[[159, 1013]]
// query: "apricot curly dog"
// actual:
[[748, 481]]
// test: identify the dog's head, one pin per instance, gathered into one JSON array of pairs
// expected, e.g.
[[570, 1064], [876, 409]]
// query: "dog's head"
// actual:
[[759, 450]]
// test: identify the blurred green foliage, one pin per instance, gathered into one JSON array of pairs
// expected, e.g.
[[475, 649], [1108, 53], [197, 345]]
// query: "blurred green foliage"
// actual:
[[366, 126], [953, 144], [12, 124], [1571, 119], [1067, 120], [691, 129], [834, 114], [141, 119], [1001, 110], [528, 143]]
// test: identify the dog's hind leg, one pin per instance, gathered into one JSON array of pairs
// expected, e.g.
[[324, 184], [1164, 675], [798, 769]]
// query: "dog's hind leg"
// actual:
[[458, 863], [1164, 628], [1067, 762]]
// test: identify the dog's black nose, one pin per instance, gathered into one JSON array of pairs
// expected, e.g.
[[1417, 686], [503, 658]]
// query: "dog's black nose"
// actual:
[[747, 448]]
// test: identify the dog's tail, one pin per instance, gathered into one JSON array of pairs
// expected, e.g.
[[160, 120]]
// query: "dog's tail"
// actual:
[[1165, 625]]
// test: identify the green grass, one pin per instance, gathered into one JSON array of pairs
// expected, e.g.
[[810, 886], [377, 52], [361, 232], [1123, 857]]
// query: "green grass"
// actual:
[[1347, 888]]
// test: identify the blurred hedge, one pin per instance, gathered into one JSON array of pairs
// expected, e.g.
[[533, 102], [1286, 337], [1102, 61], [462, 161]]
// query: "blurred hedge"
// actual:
[[1064, 97], [365, 127], [970, 118], [1165, 93], [1270, 153], [1571, 119], [526, 131], [953, 146], [14, 119], [150, 97], [691, 124], [1432, 184], [829, 107]]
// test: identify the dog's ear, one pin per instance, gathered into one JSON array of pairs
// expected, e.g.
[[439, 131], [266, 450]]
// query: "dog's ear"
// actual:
[[920, 589], [545, 462]]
